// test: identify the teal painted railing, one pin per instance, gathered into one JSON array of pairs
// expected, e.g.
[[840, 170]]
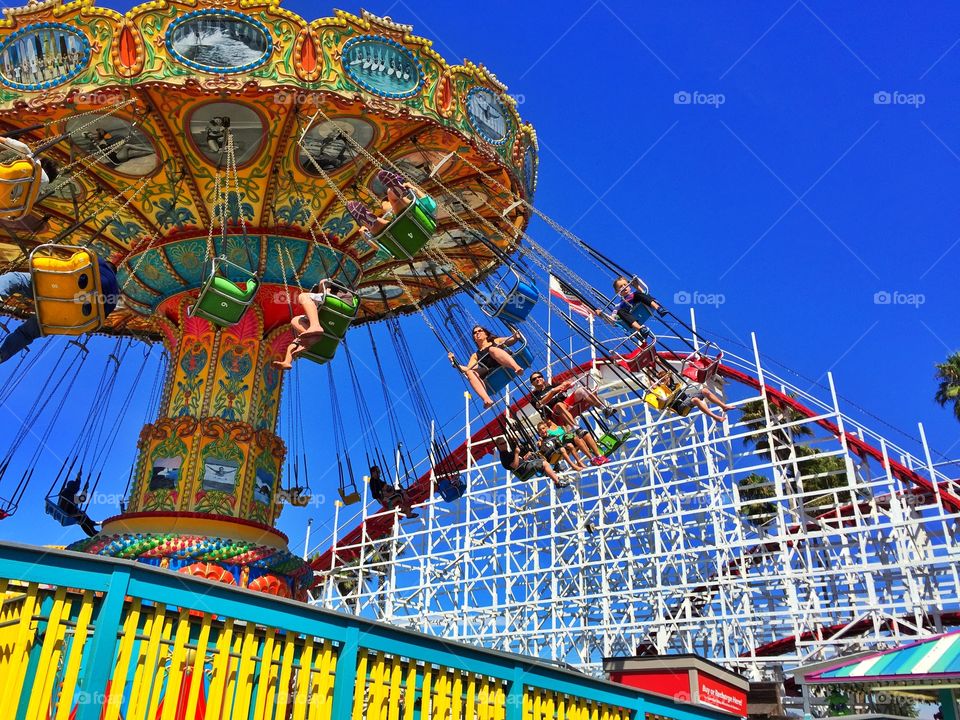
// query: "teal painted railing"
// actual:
[[106, 638]]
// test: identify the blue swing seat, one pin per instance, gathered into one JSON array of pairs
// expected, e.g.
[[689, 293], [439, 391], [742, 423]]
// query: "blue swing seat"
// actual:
[[640, 314], [53, 509], [451, 488], [511, 299]]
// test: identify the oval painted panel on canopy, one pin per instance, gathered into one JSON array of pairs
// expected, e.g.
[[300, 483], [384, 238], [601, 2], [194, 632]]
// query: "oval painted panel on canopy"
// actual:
[[219, 41], [382, 66], [42, 56]]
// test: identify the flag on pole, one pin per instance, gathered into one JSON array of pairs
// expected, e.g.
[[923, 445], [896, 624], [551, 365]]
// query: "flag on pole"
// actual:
[[563, 292]]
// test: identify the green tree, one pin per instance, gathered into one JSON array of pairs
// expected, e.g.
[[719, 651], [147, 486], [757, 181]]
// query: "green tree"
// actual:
[[948, 375], [756, 487]]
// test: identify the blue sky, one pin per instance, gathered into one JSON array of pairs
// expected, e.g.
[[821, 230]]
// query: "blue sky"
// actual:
[[811, 176]]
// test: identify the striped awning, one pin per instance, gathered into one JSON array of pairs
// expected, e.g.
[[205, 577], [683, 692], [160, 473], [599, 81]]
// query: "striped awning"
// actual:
[[935, 658]]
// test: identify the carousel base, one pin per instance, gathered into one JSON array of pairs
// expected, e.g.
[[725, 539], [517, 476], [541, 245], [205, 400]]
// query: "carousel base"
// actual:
[[227, 550]]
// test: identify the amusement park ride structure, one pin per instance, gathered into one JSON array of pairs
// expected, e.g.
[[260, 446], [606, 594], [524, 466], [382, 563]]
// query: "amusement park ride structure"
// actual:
[[210, 149]]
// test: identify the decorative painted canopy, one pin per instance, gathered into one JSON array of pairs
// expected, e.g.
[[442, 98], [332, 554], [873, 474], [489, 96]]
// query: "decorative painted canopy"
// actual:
[[142, 104]]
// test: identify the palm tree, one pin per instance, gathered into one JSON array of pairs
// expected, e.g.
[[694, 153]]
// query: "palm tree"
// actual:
[[753, 416], [948, 374]]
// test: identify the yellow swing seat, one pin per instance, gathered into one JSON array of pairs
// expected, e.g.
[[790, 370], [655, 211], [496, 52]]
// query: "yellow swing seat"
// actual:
[[660, 397], [20, 181], [349, 493], [67, 293]]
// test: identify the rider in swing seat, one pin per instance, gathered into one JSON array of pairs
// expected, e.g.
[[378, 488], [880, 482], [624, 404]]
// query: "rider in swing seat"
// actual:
[[399, 193], [577, 439], [561, 402], [557, 443], [19, 283], [69, 500], [30, 177], [489, 355], [695, 395], [388, 495], [524, 465], [632, 298], [306, 327]]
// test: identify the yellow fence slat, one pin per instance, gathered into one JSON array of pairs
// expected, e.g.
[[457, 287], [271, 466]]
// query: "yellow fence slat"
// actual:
[[233, 664], [24, 637], [197, 666], [442, 693], [46, 670], [218, 677], [410, 692], [245, 668], [427, 694], [286, 674], [314, 681], [146, 664], [159, 671], [396, 689], [118, 682], [266, 686], [321, 707], [133, 706], [470, 705], [178, 666], [303, 680], [456, 701], [377, 702], [72, 669], [360, 687]]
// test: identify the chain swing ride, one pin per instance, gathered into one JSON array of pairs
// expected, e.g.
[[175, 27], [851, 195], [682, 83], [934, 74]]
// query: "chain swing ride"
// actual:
[[220, 223]]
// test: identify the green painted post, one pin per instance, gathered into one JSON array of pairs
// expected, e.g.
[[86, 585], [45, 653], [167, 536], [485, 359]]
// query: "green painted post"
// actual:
[[345, 679], [92, 685], [515, 695], [948, 704]]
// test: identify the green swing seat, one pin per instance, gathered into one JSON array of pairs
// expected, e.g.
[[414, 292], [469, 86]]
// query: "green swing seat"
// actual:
[[610, 442], [336, 315], [410, 230], [222, 301]]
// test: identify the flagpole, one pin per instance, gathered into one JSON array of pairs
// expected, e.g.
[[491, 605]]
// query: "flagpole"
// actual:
[[593, 345], [549, 324]]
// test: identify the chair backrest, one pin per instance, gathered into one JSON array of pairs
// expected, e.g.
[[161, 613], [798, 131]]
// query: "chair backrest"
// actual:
[[408, 233], [349, 494], [53, 510], [451, 489], [67, 293], [700, 368], [223, 301], [511, 298], [19, 187]]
